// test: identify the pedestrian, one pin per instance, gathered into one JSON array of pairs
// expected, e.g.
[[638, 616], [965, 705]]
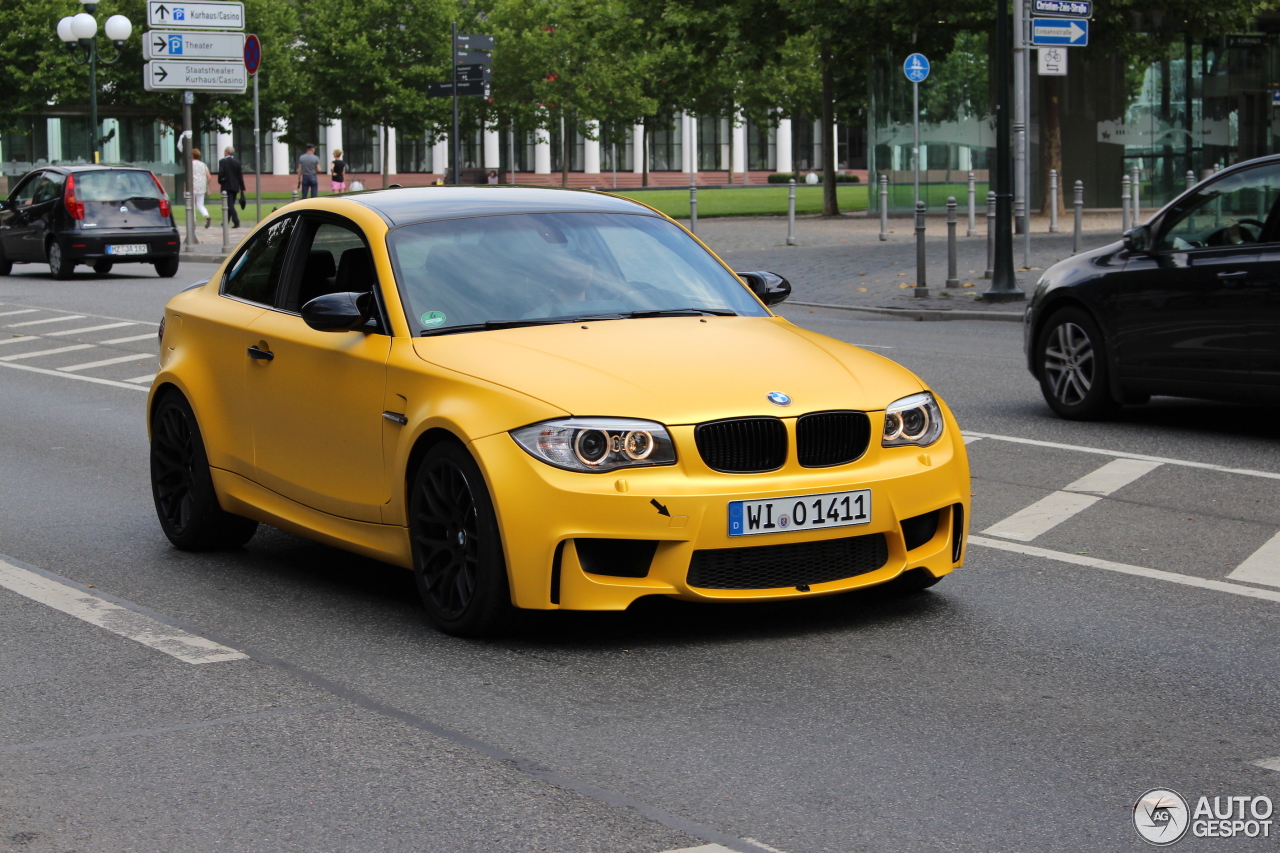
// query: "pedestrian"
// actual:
[[199, 184], [338, 173], [231, 177], [308, 167], [493, 177]]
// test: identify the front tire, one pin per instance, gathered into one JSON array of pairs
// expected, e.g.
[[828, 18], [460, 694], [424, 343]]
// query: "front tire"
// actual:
[[457, 547], [1074, 373], [60, 264], [182, 486], [167, 267]]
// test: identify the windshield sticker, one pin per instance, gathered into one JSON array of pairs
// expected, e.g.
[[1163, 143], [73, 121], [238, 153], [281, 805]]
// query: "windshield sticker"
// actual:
[[432, 318]]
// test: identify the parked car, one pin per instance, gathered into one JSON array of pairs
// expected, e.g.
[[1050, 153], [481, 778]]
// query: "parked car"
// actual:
[[544, 399], [1186, 305], [98, 216]]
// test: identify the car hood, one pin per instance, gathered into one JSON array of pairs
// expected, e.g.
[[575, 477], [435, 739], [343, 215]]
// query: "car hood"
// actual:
[[675, 370]]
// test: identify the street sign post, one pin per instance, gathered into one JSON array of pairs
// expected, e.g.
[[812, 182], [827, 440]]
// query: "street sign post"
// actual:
[[475, 41], [472, 57], [1063, 8], [1053, 61], [161, 75], [463, 89], [473, 72], [252, 62], [916, 67], [195, 16], [1057, 32], [159, 44]]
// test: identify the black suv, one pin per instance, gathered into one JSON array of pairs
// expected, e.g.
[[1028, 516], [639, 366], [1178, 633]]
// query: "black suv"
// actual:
[[93, 215]]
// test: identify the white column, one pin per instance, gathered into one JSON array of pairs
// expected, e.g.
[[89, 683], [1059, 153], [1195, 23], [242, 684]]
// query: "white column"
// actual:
[[834, 141], [692, 143], [393, 161], [111, 148], [223, 140], [637, 148], [333, 137], [591, 150], [440, 155], [492, 148], [541, 152], [725, 130], [739, 146], [784, 146], [53, 128], [279, 150]]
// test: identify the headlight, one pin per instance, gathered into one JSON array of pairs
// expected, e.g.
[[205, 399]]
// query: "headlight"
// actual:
[[914, 420], [597, 444]]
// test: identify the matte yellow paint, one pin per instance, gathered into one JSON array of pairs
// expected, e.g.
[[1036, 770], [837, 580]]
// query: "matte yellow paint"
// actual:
[[344, 481]]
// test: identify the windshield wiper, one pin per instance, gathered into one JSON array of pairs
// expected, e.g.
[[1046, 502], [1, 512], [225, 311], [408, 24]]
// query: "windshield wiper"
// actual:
[[683, 312], [490, 325]]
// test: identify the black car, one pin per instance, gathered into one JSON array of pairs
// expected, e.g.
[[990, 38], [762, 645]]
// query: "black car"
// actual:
[[1186, 305], [99, 216]]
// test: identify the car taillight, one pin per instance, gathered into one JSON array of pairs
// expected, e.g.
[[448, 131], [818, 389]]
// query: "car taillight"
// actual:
[[75, 208], [164, 197]]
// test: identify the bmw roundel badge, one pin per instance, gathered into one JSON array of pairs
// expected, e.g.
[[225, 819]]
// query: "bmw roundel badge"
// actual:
[[778, 398]]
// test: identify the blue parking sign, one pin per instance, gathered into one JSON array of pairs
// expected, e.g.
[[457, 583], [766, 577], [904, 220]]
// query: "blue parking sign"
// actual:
[[175, 45], [916, 67]]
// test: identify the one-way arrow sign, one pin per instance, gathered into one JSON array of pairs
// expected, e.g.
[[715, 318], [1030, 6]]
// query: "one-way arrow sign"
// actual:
[[1059, 31]]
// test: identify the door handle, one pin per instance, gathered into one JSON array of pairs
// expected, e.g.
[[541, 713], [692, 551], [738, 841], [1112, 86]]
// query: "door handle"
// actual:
[[1237, 274], [261, 354]]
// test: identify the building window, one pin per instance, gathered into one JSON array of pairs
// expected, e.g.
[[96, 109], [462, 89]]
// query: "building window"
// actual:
[[666, 148], [242, 140], [361, 148], [712, 144], [414, 154]]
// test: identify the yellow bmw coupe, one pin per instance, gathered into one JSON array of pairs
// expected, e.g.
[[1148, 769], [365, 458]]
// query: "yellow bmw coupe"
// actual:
[[541, 399]]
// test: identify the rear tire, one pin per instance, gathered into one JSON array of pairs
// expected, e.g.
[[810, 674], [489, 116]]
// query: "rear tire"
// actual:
[[60, 265], [102, 267], [1071, 357], [457, 548], [167, 267], [182, 486]]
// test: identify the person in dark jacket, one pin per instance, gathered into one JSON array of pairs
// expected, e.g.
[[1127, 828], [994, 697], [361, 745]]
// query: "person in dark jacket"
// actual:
[[231, 177]]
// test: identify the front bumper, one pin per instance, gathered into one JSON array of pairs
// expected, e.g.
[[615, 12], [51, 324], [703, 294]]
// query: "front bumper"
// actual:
[[542, 511], [84, 247]]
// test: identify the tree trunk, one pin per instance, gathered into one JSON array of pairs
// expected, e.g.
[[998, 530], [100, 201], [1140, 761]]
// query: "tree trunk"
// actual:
[[731, 135], [1052, 142], [830, 205], [644, 154]]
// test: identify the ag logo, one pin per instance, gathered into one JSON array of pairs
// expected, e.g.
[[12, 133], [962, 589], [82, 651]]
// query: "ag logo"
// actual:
[[1161, 816]]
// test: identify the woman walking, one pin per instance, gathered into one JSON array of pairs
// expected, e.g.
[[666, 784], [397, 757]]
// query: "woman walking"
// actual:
[[338, 173], [199, 184]]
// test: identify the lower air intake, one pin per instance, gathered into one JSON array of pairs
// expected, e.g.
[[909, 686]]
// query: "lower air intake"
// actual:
[[777, 566]]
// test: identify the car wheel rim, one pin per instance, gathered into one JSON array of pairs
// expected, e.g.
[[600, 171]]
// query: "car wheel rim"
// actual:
[[55, 258], [1069, 364], [173, 460], [447, 536]]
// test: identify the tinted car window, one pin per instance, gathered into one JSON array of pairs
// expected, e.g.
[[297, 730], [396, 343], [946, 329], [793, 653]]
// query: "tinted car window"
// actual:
[[115, 185], [256, 271], [26, 191], [337, 261], [49, 187], [1227, 212], [556, 265]]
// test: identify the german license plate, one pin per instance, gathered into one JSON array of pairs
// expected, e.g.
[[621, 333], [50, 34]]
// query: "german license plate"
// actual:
[[127, 249], [802, 512]]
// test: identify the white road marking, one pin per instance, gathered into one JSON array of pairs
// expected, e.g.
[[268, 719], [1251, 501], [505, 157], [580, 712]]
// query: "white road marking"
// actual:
[[141, 379], [761, 844], [39, 353], [1125, 569], [1120, 454], [705, 848], [88, 329], [46, 320], [17, 339], [119, 620], [1112, 476], [1268, 763], [150, 336], [23, 311], [1263, 566], [94, 379], [120, 359], [1047, 513], [970, 439]]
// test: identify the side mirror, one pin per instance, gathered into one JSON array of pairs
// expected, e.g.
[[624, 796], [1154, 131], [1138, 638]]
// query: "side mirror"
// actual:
[[338, 312], [1138, 239], [770, 287]]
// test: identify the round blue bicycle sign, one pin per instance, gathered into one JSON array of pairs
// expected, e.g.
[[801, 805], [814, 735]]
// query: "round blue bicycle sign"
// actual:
[[916, 67]]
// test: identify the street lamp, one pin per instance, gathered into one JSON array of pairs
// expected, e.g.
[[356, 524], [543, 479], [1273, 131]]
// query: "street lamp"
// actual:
[[80, 34]]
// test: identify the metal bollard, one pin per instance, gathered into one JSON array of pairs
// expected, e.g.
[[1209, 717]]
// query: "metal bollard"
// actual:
[[295, 195], [973, 227], [1079, 206], [991, 234], [226, 223], [1137, 206], [1191, 178], [884, 207], [1053, 201], [953, 280], [693, 209], [1124, 204], [190, 241], [922, 290], [791, 212]]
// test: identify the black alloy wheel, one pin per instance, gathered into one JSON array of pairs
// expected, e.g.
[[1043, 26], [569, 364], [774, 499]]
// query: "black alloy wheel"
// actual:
[[1074, 373], [167, 267], [102, 267], [457, 547], [182, 486], [60, 264]]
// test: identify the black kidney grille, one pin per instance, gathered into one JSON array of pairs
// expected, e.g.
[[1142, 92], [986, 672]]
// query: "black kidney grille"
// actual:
[[742, 445], [831, 438], [776, 566]]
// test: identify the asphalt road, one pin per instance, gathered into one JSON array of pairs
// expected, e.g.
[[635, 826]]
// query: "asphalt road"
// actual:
[[1090, 650]]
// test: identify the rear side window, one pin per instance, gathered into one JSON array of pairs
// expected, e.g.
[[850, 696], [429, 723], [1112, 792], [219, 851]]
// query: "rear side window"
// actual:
[[49, 188], [115, 185], [256, 272]]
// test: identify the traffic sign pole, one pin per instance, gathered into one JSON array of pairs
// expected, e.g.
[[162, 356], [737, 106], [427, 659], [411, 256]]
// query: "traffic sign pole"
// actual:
[[252, 62], [916, 67], [1004, 284], [456, 143]]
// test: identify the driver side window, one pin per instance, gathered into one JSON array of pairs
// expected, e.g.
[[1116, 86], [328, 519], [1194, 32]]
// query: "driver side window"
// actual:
[[26, 191], [1227, 212]]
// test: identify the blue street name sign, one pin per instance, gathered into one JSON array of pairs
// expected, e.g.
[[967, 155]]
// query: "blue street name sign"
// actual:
[[1060, 32], [916, 67], [1064, 8]]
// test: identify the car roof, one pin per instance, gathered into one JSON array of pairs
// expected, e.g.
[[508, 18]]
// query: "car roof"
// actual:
[[401, 206], [91, 167]]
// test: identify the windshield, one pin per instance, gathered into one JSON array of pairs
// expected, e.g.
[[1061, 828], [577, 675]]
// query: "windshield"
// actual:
[[511, 269], [115, 186]]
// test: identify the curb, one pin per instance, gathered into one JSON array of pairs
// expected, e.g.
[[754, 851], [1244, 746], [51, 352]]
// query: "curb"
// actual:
[[201, 258], [922, 314]]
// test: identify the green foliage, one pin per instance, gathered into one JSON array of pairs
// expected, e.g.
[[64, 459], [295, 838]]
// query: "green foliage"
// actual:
[[39, 69]]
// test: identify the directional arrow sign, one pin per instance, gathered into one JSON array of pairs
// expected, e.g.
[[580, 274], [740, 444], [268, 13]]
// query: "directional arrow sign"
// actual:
[[472, 57], [195, 16], [471, 88], [1058, 31], [473, 72], [1064, 8], [160, 75], [158, 44], [475, 41]]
